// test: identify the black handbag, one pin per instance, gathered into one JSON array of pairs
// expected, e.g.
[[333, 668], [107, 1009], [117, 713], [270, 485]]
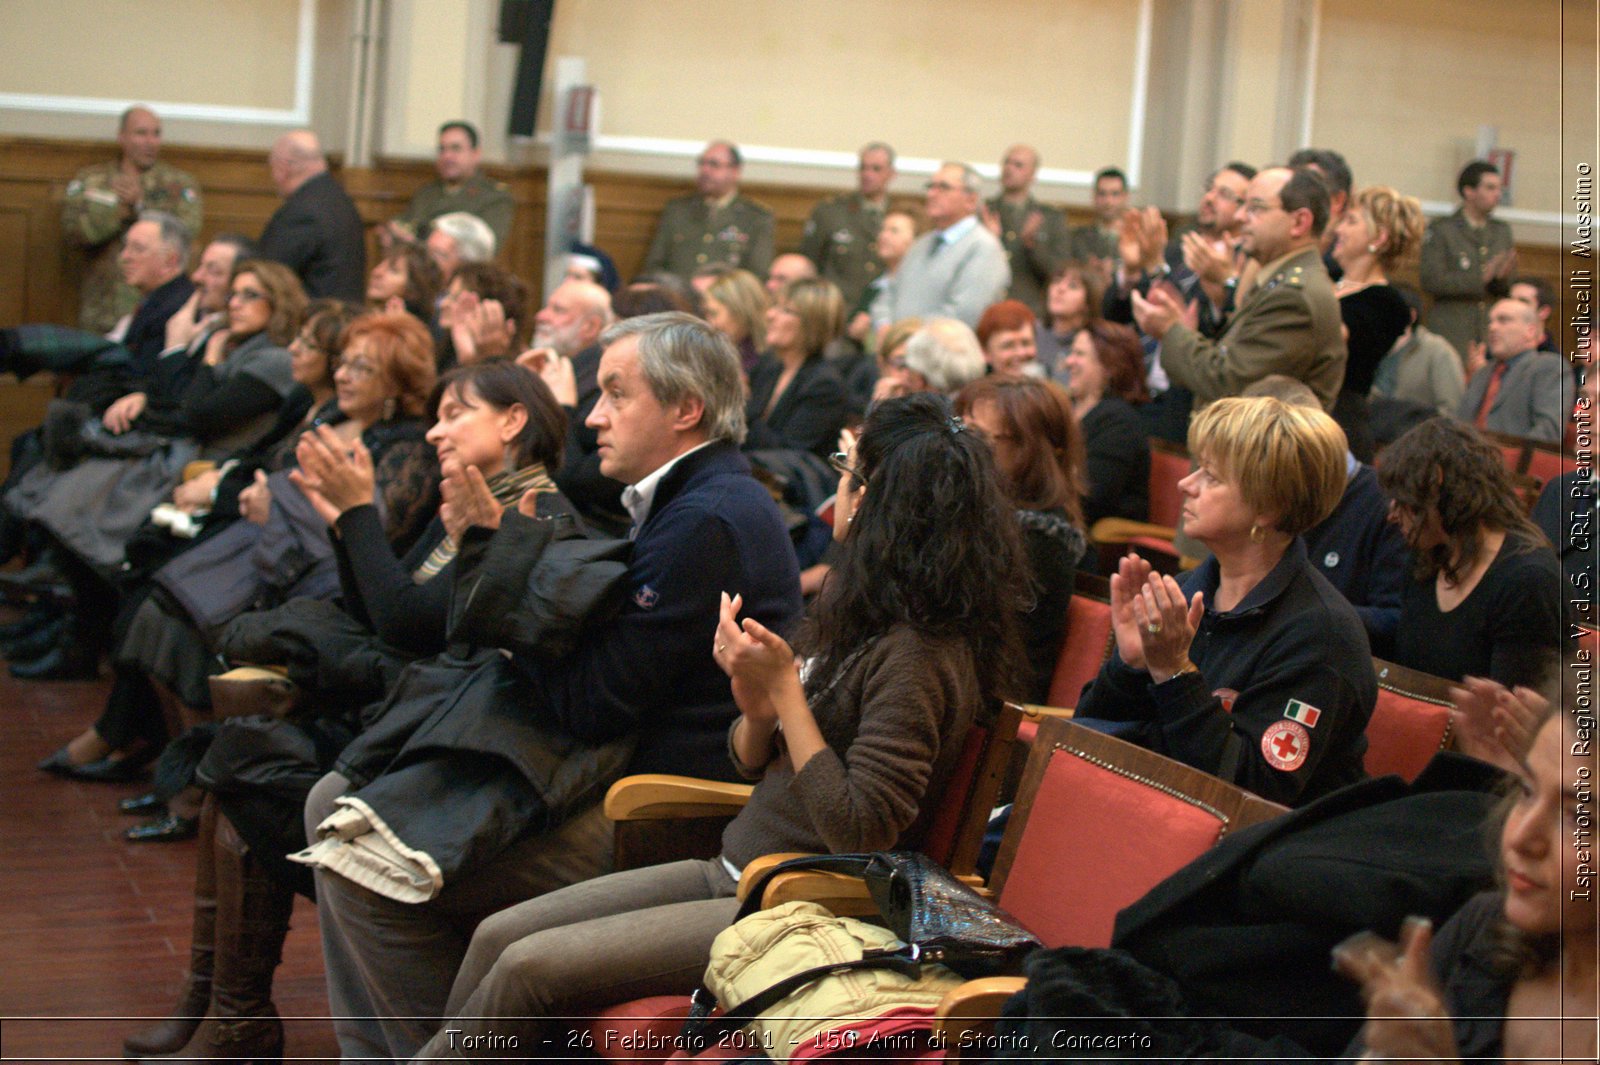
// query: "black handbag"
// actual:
[[937, 917]]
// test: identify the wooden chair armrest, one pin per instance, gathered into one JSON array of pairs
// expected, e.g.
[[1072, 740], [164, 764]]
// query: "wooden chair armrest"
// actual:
[[1120, 530], [758, 868], [196, 468], [839, 894], [971, 1009], [255, 673], [1035, 712], [662, 796]]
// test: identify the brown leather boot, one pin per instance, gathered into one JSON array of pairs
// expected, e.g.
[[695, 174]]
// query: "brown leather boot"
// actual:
[[171, 1034], [252, 920]]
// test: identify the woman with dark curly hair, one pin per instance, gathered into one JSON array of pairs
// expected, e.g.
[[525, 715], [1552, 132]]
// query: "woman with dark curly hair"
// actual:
[[1105, 368], [1039, 453], [407, 279], [913, 639], [1485, 598]]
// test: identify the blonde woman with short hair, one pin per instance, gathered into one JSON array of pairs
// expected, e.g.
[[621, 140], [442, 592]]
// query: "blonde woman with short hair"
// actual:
[[1252, 667]]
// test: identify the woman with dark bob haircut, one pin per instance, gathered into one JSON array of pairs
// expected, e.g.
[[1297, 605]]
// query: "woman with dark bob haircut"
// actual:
[[913, 637], [1253, 667], [1039, 454], [1485, 596], [496, 422]]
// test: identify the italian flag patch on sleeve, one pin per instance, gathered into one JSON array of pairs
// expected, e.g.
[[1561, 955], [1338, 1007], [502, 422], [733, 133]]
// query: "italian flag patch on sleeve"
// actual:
[[1304, 713]]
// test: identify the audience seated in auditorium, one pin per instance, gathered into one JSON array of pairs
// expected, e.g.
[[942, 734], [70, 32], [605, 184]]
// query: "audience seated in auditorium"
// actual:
[[499, 429], [459, 238], [1252, 668], [1377, 230], [1106, 382], [1038, 452], [736, 306], [406, 280], [670, 418], [483, 314], [912, 642], [1484, 595], [1418, 378]]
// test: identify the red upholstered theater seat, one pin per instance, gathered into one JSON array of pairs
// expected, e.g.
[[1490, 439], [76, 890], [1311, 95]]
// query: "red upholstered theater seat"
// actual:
[[1410, 722]]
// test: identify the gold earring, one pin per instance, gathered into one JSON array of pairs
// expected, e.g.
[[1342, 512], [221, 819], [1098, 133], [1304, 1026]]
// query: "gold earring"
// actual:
[[1257, 534]]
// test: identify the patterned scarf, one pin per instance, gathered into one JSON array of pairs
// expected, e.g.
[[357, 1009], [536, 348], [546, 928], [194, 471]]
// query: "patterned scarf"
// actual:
[[507, 487]]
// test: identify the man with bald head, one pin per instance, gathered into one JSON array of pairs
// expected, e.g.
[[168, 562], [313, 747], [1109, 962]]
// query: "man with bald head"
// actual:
[[317, 231], [786, 270], [1518, 391], [1034, 235], [714, 224], [958, 268], [105, 200]]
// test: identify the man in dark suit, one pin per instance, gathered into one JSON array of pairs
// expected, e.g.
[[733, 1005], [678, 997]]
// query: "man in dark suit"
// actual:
[[317, 232], [1518, 391]]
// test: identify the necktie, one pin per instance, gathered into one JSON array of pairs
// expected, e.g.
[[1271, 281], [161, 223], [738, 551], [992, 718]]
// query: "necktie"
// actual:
[[1489, 394]]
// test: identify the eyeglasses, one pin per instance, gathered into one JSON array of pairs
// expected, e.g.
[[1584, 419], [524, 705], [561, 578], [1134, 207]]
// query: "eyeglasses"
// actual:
[[1226, 195], [1261, 207], [248, 295], [841, 462], [943, 186], [360, 369]]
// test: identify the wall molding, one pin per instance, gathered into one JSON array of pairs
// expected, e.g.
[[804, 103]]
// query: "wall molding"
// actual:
[[299, 114]]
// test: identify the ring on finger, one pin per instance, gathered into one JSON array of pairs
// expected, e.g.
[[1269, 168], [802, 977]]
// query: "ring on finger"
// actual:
[[721, 647], [1153, 628]]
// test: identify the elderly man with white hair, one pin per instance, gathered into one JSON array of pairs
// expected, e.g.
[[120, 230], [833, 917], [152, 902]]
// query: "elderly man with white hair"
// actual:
[[943, 356], [959, 267], [317, 231], [459, 237]]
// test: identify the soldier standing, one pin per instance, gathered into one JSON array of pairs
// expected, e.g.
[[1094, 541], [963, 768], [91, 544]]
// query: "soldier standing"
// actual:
[[715, 224], [1035, 236], [103, 202], [842, 233], [1467, 260]]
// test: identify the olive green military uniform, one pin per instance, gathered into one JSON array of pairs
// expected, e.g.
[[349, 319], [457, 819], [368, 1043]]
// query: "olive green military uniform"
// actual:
[[1288, 323], [841, 237], [1030, 267], [1092, 242], [692, 234], [1453, 254], [95, 221], [483, 196]]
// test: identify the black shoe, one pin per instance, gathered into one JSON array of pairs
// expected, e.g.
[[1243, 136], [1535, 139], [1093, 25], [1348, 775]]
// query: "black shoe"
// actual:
[[149, 803], [36, 644], [60, 763], [108, 770], [60, 663], [168, 829]]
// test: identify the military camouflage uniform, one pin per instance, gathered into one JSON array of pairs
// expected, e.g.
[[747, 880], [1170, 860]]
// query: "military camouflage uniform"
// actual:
[[1030, 267], [1289, 324], [841, 237], [490, 200], [94, 220], [692, 234], [1451, 271]]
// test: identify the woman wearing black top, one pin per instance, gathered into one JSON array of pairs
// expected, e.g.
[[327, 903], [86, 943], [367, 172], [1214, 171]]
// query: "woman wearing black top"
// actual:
[[1378, 229], [796, 400], [1039, 453], [1106, 368], [1485, 596]]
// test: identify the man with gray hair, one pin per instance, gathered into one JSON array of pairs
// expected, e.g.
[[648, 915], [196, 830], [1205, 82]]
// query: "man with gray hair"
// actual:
[[841, 236], [317, 231], [459, 237], [959, 267], [942, 356], [670, 418]]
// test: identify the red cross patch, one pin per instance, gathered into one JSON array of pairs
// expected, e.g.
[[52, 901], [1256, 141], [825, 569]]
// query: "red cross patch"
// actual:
[[1285, 745]]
